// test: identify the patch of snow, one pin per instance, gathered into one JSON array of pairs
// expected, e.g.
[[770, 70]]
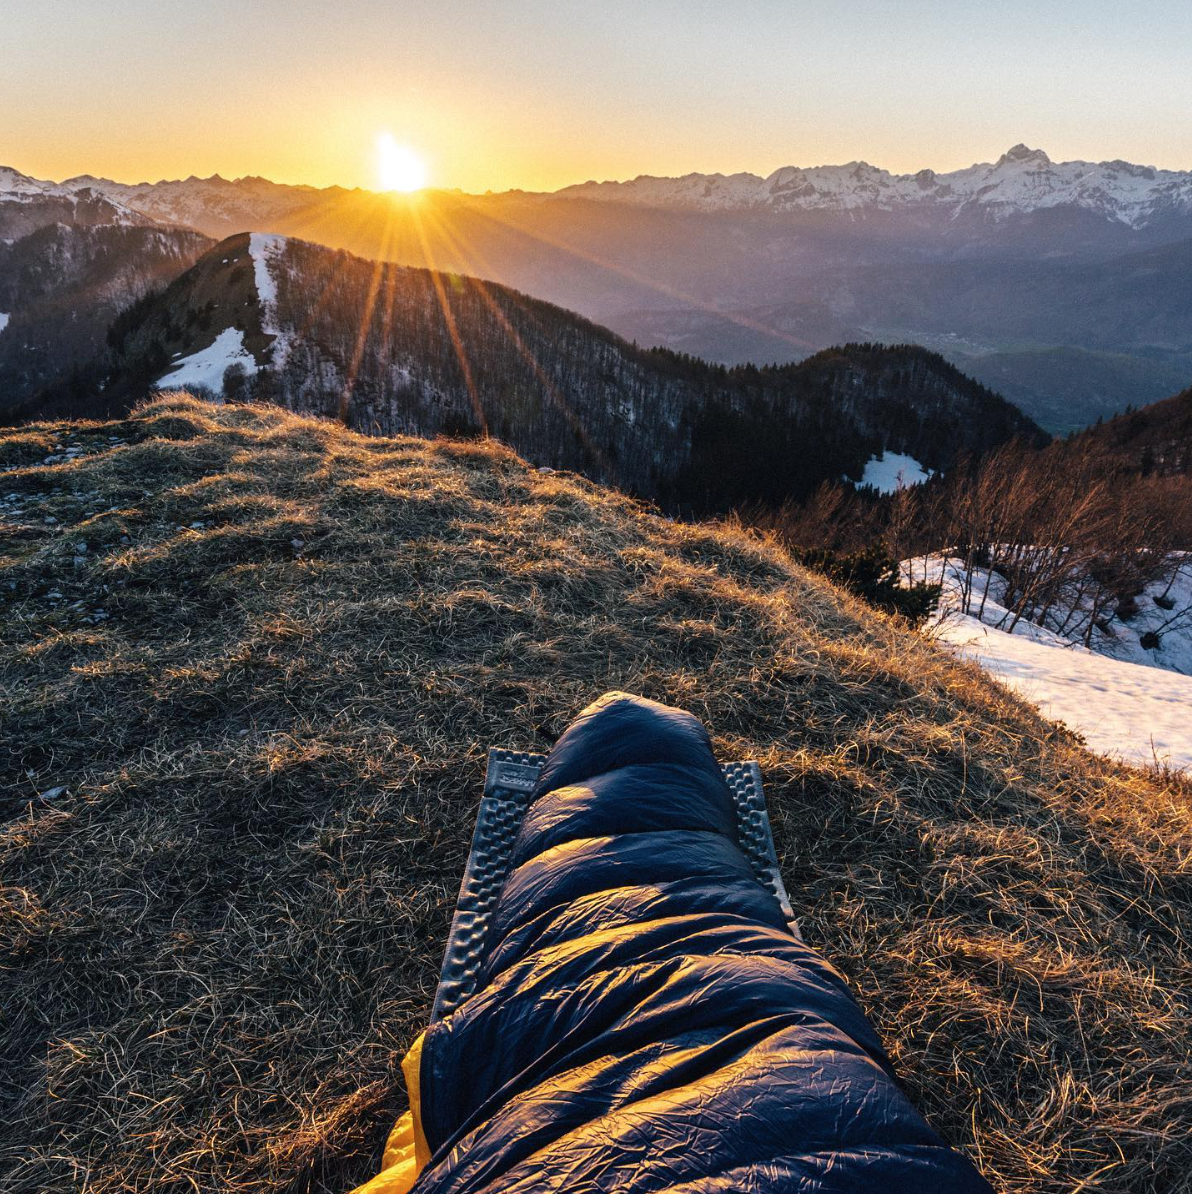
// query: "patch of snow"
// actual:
[[266, 249], [1162, 611], [1128, 710], [263, 247], [1126, 701], [892, 471], [4, 318], [206, 367]]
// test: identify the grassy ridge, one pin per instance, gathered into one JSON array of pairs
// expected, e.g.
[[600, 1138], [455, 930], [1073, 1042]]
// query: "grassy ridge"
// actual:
[[267, 686]]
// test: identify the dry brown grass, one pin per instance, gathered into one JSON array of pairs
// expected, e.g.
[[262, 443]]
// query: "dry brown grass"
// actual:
[[215, 946]]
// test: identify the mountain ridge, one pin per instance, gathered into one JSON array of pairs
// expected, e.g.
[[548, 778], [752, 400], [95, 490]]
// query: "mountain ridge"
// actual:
[[396, 350], [1021, 180]]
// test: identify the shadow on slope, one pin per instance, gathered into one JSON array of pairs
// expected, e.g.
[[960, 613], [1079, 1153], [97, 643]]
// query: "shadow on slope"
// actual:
[[266, 686]]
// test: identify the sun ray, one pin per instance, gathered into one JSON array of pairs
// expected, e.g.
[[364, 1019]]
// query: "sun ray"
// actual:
[[434, 230], [370, 301], [552, 392], [624, 271], [449, 319]]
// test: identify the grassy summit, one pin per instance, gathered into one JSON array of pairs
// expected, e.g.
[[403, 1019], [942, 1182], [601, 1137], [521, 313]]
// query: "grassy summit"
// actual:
[[266, 686]]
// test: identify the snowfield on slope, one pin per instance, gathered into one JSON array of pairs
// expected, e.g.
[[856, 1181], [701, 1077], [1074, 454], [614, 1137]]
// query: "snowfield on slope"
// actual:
[[262, 246], [1136, 707], [3, 320], [1128, 710], [892, 471], [206, 367]]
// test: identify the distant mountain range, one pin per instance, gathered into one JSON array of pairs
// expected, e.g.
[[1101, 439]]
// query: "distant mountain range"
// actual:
[[28, 206], [215, 206], [1021, 180], [1066, 284]]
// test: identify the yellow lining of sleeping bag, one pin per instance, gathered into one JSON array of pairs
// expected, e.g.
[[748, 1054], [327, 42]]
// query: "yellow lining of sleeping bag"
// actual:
[[406, 1152]]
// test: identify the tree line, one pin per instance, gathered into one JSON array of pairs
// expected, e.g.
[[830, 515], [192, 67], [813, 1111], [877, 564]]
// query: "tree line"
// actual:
[[1065, 537]]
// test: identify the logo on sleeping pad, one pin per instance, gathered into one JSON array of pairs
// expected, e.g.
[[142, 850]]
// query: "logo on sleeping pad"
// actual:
[[516, 776]]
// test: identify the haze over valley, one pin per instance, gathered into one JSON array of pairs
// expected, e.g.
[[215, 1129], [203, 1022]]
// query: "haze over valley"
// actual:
[[1064, 286]]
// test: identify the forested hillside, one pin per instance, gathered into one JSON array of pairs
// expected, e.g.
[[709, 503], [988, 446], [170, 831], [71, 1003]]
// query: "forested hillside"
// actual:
[[392, 350], [1156, 440], [61, 285]]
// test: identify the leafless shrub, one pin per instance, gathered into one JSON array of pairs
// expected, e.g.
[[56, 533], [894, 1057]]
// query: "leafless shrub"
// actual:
[[1059, 536]]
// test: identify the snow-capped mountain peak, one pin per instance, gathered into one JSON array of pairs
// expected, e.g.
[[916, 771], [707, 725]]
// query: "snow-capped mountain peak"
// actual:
[[13, 182], [214, 204], [1021, 153], [28, 203]]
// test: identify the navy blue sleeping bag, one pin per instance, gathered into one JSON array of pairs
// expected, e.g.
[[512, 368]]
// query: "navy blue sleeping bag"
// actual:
[[646, 1020]]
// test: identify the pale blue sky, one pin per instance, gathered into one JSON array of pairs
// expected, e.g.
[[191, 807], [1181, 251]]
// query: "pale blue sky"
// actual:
[[540, 94]]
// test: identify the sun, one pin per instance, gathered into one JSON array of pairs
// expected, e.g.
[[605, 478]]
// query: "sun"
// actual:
[[399, 168]]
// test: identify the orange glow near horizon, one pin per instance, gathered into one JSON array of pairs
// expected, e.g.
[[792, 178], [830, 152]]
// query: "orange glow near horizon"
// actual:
[[537, 95]]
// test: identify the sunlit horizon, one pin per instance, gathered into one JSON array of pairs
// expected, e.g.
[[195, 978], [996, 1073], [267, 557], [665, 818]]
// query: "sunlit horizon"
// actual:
[[394, 168], [537, 96]]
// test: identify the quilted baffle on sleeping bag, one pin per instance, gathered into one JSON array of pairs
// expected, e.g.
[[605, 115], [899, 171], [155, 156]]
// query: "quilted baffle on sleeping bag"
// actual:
[[646, 1021]]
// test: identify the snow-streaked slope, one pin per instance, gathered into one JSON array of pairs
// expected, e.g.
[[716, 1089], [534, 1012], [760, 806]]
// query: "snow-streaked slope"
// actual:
[[28, 197], [267, 251], [264, 248], [1021, 180], [190, 202], [214, 204], [1161, 614], [13, 182], [206, 367], [892, 471], [1126, 701]]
